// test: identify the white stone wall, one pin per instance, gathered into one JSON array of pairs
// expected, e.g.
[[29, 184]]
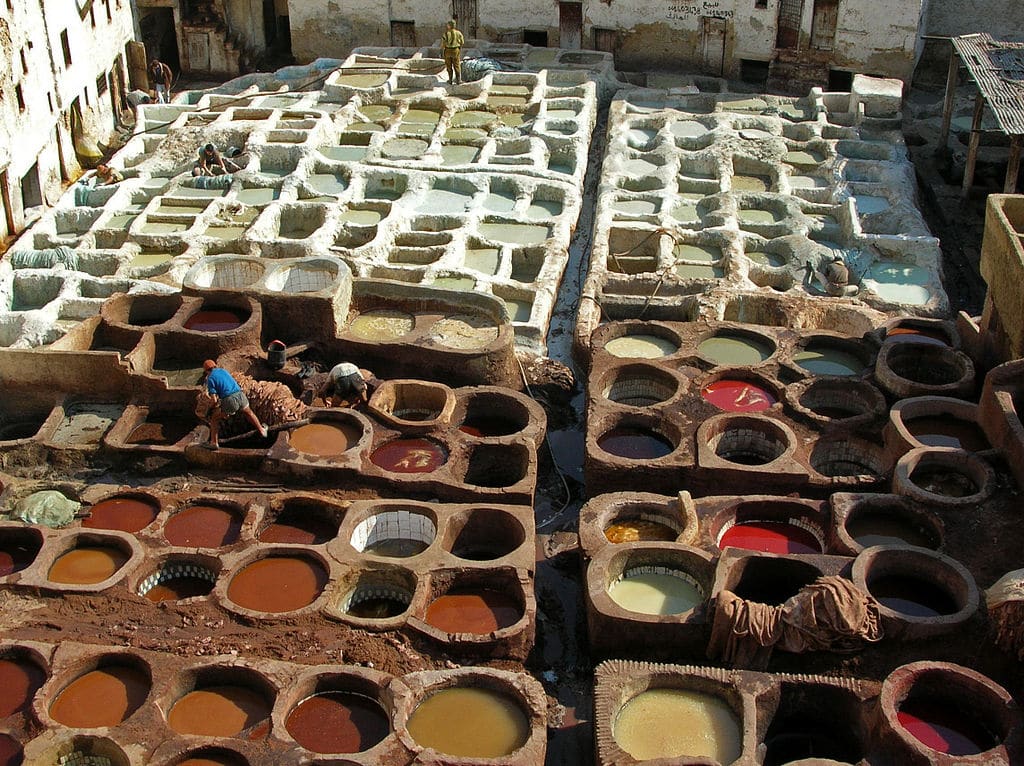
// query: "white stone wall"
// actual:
[[872, 36], [41, 133]]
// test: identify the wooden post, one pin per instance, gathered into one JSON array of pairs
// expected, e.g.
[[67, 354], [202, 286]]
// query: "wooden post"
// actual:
[[972, 147], [947, 106], [1013, 167]]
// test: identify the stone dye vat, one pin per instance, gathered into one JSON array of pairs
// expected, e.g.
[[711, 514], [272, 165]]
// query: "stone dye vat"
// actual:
[[764, 192]]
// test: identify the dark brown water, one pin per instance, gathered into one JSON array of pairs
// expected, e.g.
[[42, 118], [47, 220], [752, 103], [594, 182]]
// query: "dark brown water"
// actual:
[[410, 456], [15, 555], [203, 526], [338, 722], [635, 444], [946, 431], [489, 426], [941, 481], [299, 530], [10, 751], [19, 681], [160, 432], [912, 596], [127, 514]]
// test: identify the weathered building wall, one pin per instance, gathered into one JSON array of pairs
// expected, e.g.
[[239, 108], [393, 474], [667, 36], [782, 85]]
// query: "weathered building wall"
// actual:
[[60, 59], [711, 35]]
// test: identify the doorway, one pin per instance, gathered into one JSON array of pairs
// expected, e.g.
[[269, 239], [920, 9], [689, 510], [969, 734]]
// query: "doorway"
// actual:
[[159, 35], [570, 25], [31, 190], [464, 12], [790, 14], [538, 38], [824, 23], [403, 34], [713, 36]]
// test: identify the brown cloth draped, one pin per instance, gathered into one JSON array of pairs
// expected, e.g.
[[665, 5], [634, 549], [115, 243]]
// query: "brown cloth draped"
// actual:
[[830, 614]]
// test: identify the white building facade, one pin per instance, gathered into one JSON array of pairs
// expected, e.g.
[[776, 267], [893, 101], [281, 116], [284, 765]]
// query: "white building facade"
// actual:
[[64, 90]]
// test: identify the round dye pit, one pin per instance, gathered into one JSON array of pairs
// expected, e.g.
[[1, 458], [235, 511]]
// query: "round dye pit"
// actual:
[[489, 425], [179, 587], [915, 335], [278, 584], [823, 360], [17, 551], [102, 697], [947, 431], [298, 528], [639, 530], [221, 711], [394, 534], [410, 456], [214, 320], [324, 439], [377, 601], [944, 727], [169, 431], [338, 722], [487, 535], [127, 514], [213, 757], [770, 537], [656, 590], [898, 282], [748, 442], [203, 526], [799, 738], [382, 325], [672, 723], [87, 565], [635, 443], [738, 350], [476, 610], [869, 529], [20, 679], [641, 347], [470, 723], [738, 396], [912, 596]]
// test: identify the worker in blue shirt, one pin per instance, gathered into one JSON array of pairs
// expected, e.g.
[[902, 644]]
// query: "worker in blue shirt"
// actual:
[[230, 399]]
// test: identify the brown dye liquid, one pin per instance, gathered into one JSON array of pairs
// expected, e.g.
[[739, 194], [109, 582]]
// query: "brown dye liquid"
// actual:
[[278, 584], [10, 751], [489, 426], [166, 432], [468, 722], [635, 530], [103, 697], [948, 432], [123, 513], [213, 321], [203, 526], [87, 565], [409, 456], [473, 611], [16, 556], [324, 439], [220, 711], [337, 722], [177, 588], [19, 682], [298, 531]]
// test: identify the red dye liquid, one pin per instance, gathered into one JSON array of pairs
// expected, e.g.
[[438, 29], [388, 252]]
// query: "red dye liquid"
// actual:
[[15, 556], [337, 722], [488, 427], [910, 335], [473, 611], [213, 320], [10, 751], [409, 456], [635, 444], [738, 396], [19, 682], [289, 529], [203, 526], [770, 537], [124, 513], [944, 729]]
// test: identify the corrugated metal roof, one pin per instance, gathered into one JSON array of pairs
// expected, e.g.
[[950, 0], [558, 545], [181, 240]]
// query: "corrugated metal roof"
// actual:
[[997, 68]]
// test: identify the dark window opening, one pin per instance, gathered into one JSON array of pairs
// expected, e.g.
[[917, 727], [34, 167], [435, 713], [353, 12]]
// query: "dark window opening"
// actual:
[[403, 34], [101, 85], [754, 72], [24, 62], [760, 4], [605, 39], [20, 96], [538, 38], [31, 191], [65, 45], [840, 81]]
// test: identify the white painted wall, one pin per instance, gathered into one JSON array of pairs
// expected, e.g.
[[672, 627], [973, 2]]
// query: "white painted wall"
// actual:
[[873, 36], [41, 132]]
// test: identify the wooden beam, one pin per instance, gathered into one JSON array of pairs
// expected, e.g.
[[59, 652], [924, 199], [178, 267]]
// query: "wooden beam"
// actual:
[[1013, 167], [947, 107], [972, 147]]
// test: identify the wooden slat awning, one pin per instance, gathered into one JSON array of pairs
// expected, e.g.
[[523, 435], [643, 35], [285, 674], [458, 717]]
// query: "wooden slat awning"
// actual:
[[997, 68]]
